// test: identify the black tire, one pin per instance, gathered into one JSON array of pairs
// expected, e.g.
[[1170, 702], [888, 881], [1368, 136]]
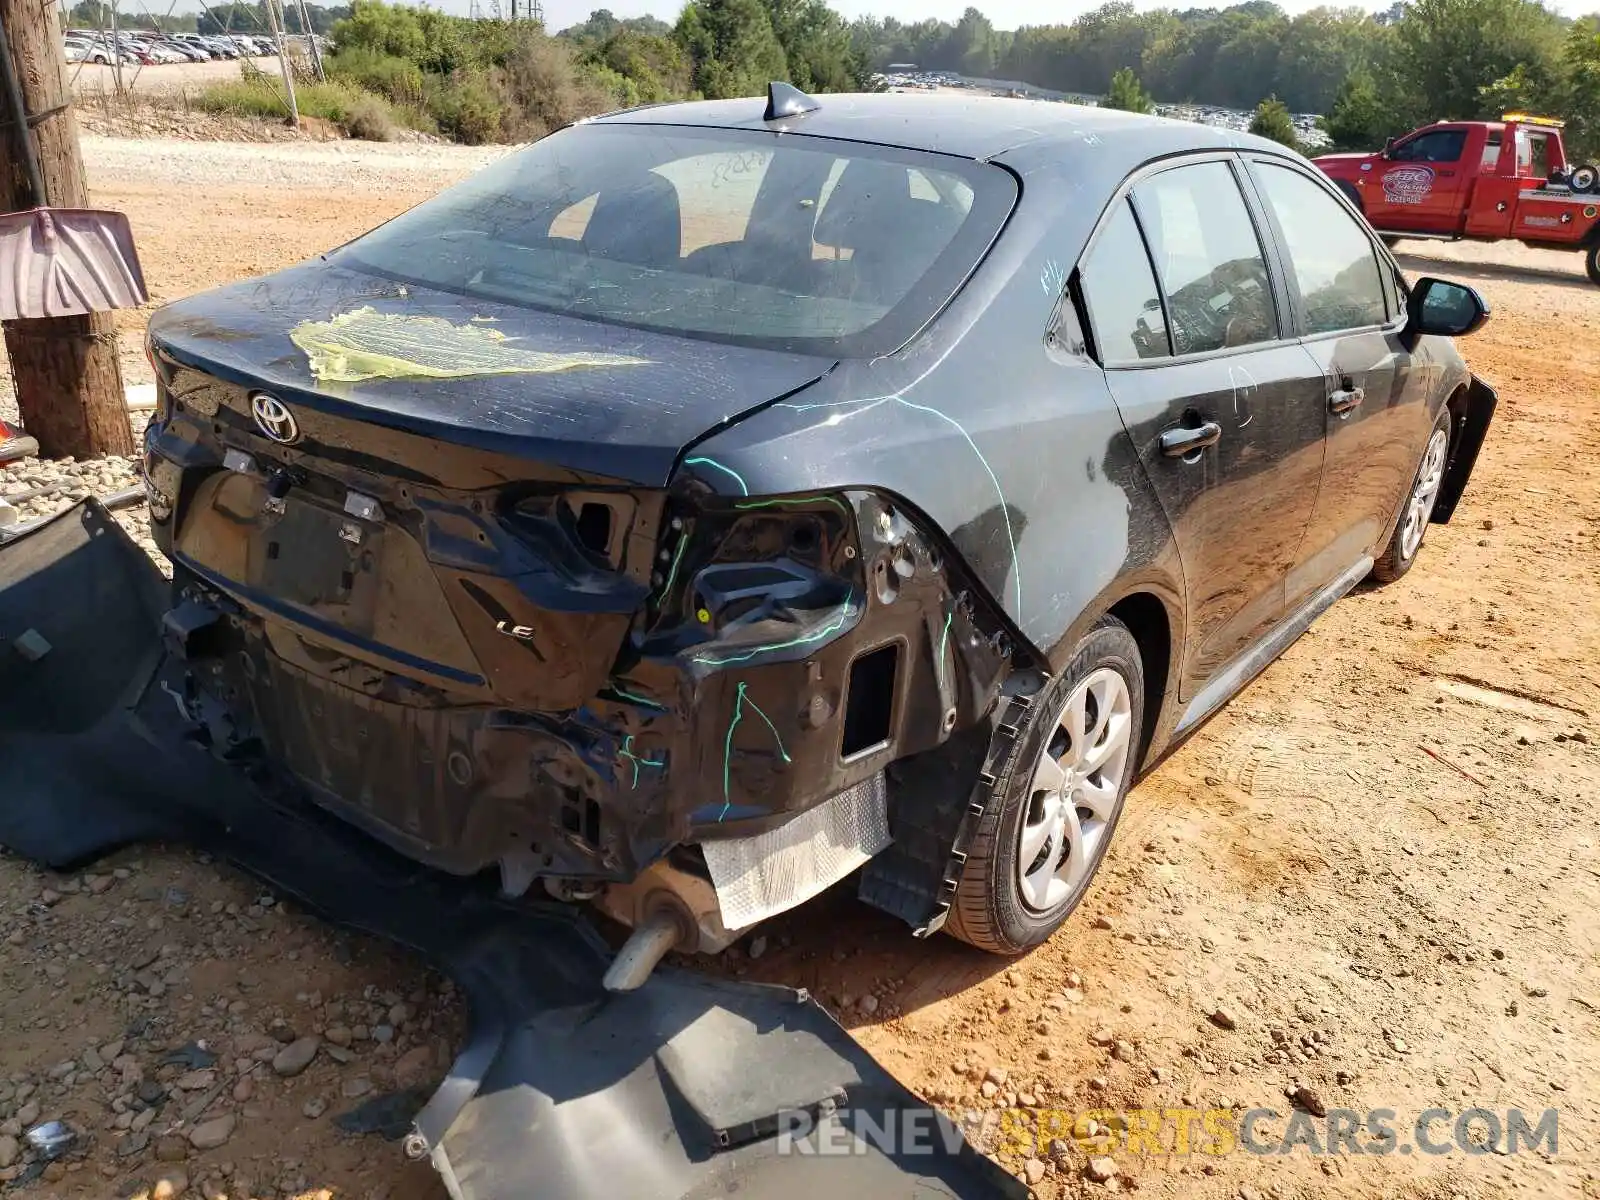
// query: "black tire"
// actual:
[[1395, 561], [1591, 262], [989, 911], [1585, 178]]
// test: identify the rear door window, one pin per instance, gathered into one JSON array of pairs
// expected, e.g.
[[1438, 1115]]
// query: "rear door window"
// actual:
[[1208, 258], [1121, 295]]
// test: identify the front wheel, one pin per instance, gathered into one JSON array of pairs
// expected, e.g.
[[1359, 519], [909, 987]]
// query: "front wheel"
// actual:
[[1056, 800], [1591, 262], [1413, 524]]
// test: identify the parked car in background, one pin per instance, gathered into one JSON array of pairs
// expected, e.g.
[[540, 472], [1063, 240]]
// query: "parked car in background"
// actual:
[[707, 483], [188, 50], [87, 47]]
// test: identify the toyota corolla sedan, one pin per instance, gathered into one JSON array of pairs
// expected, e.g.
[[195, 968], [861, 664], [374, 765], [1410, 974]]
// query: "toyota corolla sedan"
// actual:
[[712, 501]]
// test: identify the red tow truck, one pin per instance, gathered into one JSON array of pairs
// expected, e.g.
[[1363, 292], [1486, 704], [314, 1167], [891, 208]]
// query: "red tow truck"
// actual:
[[1483, 180]]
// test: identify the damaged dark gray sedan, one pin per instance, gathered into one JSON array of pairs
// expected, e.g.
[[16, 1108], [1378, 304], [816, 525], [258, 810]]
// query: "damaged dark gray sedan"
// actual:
[[713, 500]]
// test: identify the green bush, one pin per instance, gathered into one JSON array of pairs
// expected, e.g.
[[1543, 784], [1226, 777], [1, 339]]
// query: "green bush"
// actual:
[[1272, 120], [369, 119], [359, 113], [466, 106], [546, 89], [399, 79]]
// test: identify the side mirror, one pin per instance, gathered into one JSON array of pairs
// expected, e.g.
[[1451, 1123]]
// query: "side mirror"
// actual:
[[1439, 308], [1388, 147]]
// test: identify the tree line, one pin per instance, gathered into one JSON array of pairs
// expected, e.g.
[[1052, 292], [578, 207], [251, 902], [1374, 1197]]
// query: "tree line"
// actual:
[[1372, 75]]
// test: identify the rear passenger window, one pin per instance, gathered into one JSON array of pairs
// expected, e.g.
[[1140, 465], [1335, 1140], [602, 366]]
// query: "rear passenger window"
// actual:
[[1120, 293], [1208, 259], [1331, 256]]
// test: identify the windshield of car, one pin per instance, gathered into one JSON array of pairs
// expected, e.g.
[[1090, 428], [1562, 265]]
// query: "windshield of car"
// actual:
[[785, 241]]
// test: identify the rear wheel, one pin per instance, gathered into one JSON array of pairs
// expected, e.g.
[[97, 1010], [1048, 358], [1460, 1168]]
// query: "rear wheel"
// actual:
[[1591, 262], [1056, 800], [1413, 524]]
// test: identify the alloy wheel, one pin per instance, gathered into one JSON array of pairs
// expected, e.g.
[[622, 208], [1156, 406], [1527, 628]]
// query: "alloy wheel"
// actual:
[[1075, 786], [1426, 491]]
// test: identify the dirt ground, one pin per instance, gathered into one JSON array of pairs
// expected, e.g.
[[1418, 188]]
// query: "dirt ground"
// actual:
[[156, 78], [1379, 863]]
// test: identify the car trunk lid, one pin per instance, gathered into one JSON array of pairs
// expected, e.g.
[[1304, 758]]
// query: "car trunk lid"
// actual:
[[485, 535], [603, 400]]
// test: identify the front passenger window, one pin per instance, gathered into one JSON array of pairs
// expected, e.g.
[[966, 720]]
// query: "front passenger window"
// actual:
[[1208, 259], [1439, 146], [1331, 256]]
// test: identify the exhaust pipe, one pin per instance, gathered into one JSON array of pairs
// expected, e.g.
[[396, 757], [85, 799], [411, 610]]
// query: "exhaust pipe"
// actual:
[[646, 946]]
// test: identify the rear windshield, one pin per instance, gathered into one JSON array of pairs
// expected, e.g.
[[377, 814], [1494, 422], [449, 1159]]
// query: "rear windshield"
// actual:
[[778, 240]]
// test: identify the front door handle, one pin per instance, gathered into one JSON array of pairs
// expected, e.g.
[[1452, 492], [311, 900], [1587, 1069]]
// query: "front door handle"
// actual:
[[1344, 400], [1184, 440]]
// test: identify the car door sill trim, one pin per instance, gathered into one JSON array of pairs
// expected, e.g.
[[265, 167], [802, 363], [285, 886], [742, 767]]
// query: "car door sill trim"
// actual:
[[1256, 659]]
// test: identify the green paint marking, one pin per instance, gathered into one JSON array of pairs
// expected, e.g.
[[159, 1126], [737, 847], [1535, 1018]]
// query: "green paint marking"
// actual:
[[627, 695], [833, 626], [666, 588], [711, 462], [862, 406], [834, 500], [1005, 511], [367, 344], [727, 746], [636, 760]]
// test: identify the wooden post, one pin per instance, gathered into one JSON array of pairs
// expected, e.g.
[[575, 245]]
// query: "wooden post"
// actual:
[[65, 369]]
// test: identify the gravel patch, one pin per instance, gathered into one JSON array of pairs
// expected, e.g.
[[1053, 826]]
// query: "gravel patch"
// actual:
[[367, 167]]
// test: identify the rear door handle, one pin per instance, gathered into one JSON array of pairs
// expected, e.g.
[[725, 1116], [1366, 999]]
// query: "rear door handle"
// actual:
[[1184, 440], [1345, 399]]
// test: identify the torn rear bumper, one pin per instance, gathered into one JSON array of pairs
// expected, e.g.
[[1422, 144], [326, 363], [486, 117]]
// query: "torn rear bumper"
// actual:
[[689, 1086]]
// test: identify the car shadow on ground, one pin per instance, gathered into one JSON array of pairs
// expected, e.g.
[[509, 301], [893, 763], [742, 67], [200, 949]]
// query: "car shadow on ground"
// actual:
[[842, 951], [1470, 271]]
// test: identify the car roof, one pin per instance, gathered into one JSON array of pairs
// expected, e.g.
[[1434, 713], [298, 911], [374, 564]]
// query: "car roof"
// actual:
[[978, 127]]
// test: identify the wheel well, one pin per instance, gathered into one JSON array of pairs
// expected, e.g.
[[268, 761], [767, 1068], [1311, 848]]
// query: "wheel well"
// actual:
[[1354, 196], [1146, 618]]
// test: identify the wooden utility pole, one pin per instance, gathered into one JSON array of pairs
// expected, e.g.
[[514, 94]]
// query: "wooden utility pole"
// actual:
[[283, 63], [65, 369]]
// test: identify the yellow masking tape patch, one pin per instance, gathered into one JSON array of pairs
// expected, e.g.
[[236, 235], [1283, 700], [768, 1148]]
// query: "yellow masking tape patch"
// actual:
[[367, 344]]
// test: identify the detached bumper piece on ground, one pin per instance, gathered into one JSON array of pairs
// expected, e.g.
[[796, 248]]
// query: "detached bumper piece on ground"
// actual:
[[688, 1086]]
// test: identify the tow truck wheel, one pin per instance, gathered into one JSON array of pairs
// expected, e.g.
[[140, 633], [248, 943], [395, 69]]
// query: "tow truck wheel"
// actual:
[[1591, 262], [1056, 800], [1585, 178]]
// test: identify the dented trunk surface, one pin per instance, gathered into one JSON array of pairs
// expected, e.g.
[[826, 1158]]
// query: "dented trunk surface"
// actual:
[[559, 395], [456, 599]]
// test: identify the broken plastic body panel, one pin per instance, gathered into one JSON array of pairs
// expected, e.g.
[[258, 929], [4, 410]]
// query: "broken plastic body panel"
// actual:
[[687, 1086], [491, 662]]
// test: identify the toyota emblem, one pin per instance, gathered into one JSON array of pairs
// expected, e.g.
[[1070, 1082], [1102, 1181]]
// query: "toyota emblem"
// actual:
[[274, 419]]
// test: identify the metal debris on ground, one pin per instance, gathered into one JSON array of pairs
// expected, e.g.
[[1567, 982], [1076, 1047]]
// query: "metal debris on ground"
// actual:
[[52, 1139]]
